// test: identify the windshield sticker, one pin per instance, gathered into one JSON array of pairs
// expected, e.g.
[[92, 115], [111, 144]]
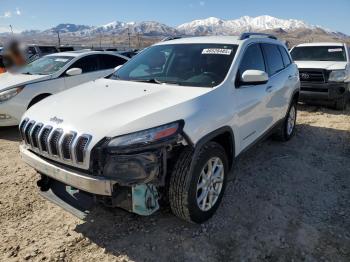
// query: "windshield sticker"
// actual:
[[63, 60], [332, 50], [216, 51]]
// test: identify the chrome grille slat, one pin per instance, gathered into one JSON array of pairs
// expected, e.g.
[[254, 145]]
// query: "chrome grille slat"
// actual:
[[55, 143], [27, 130], [34, 135], [43, 138]]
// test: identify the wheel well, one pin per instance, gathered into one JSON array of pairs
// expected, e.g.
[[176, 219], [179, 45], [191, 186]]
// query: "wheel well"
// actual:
[[37, 99], [226, 140], [296, 97]]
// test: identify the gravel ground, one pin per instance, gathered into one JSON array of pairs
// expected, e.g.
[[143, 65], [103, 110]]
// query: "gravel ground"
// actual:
[[290, 202]]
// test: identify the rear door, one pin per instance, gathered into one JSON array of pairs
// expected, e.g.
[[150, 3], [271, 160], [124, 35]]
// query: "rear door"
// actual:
[[251, 103], [279, 81], [109, 62], [90, 71]]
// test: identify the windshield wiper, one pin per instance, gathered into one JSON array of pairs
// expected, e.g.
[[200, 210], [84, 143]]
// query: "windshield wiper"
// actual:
[[151, 80]]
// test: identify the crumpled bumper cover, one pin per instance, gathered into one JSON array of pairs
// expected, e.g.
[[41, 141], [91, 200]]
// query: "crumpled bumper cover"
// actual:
[[92, 184]]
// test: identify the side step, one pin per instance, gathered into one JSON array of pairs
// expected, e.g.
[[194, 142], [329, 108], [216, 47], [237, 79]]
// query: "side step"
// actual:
[[76, 202]]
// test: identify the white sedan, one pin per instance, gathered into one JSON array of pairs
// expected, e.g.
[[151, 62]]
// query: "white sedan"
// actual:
[[49, 75]]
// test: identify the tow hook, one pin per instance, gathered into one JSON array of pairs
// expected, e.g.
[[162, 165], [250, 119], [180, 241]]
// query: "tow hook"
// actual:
[[44, 183]]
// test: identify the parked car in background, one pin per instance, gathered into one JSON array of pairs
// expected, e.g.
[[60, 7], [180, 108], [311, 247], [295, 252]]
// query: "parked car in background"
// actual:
[[34, 52], [324, 70], [168, 124], [66, 48], [129, 53], [49, 75]]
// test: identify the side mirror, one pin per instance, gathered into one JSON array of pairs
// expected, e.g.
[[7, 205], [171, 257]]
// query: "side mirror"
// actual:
[[254, 77], [74, 72], [117, 67]]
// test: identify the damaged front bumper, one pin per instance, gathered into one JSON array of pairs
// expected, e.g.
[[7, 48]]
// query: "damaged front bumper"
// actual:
[[92, 184]]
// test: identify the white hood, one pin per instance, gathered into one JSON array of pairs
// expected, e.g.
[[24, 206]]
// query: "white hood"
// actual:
[[110, 108], [9, 80], [328, 65]]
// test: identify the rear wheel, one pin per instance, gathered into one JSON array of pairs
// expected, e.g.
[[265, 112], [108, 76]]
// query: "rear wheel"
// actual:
[[195, 196], [287, 130]]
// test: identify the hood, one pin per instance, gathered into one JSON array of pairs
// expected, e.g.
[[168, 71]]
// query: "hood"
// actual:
[[328, 65], [110, 107], [9, 80]]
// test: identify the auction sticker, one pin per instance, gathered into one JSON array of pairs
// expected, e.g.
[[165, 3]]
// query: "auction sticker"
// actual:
[[216, 51], [332, 50]]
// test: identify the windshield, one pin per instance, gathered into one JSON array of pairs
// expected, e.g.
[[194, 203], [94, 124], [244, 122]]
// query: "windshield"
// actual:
[[202, 65], [46, 65], [319, 53]]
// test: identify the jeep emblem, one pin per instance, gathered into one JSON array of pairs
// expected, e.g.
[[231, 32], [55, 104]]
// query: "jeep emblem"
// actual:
[[56, 120]]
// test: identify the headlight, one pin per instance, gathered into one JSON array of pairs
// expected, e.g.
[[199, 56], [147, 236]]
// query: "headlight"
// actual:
[[8, 94], [148, 136], [338, 76]]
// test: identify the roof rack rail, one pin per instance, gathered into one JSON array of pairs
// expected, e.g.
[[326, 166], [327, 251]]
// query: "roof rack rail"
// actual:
[[171, 38], [249, 34]]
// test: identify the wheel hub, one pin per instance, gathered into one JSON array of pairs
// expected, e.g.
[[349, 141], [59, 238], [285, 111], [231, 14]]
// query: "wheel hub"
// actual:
[[210, 183]]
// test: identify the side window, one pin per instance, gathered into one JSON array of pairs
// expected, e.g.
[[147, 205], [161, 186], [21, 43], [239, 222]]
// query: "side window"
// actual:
[[252, 60], [87, 64], [285, 56], [31, 50], [110, 61], [273, 58]]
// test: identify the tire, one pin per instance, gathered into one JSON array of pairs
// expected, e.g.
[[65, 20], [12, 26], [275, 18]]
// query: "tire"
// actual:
[[340, 104], [285, 133], [183, 191]]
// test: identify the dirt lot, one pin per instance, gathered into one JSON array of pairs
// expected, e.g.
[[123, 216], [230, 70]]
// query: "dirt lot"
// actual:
[[290, 202]]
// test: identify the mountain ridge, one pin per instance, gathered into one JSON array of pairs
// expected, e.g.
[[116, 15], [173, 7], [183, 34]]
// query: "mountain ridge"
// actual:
[[207, 26]]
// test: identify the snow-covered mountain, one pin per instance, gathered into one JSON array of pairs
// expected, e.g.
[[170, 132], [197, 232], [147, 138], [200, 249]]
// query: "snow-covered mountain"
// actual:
[[209, 26], [150, 28], [213, 25]]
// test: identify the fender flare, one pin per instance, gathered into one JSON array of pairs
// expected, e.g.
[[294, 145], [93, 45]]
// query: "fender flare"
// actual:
[[210, 137]]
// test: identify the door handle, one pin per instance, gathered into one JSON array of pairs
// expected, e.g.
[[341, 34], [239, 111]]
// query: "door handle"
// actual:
[[269, 89]]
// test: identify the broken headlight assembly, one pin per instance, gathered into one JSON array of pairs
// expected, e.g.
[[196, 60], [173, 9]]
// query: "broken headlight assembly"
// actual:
[[147, 137], [140, 157]]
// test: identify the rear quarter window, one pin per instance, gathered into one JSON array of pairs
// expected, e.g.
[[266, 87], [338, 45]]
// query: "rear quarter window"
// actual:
[[285, 56]]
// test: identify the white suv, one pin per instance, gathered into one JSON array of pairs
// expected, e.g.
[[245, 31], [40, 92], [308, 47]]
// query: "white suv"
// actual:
[[167, 125], [324, 72]]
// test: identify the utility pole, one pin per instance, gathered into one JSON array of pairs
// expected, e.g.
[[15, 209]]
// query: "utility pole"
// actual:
[[139, 40], [129, 37], [100, 40], [59, 38], [11, 29]]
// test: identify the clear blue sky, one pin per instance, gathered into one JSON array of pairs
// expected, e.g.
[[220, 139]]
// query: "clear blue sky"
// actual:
[[35, 14]]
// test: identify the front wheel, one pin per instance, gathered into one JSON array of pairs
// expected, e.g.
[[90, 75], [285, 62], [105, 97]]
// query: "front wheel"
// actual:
[[195, 196]]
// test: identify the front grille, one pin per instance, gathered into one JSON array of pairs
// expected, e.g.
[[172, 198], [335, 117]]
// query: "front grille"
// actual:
[[66, 146], [55, 143], [312, 76], [44, 137], [27, 131], [35, 134], [80, 148]]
